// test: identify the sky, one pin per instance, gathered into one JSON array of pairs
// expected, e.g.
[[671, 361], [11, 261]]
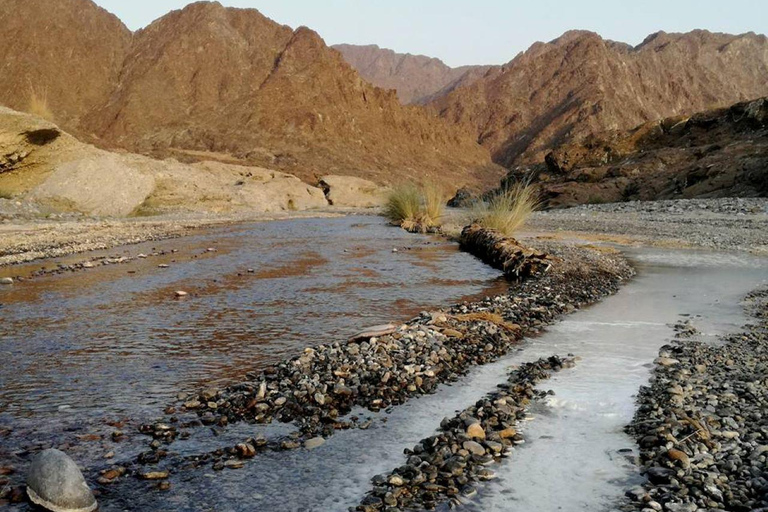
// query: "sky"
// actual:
[[462, 32]]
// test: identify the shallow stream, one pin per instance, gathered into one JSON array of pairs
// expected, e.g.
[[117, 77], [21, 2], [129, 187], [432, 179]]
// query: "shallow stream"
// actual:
[[571, 461]]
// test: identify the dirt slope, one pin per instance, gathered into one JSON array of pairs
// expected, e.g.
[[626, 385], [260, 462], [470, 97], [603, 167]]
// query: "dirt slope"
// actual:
[[416, 78], [214, 83], [580, 84]]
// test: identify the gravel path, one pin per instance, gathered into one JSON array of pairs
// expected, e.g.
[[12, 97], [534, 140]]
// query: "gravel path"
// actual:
[[723, 224]]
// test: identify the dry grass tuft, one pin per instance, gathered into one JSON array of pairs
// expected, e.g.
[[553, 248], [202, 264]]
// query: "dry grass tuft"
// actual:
[[434, 199], [508, 210], [38, 104], [416, 208], [403, 203]]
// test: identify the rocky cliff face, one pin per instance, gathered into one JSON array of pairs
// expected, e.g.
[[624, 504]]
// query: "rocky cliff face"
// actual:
[[580, 84], [716, 153], [213, 83], [416, 78]]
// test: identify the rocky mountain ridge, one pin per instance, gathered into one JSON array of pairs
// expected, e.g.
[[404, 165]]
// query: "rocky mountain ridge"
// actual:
[[416, 78], [213, 83], [579, 84]]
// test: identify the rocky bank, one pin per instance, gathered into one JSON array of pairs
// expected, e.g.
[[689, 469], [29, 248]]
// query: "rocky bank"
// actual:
[[715, 153], [701, 424]]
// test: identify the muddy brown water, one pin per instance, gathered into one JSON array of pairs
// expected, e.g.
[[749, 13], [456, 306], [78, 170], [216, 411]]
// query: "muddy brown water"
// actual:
[[86, 353]]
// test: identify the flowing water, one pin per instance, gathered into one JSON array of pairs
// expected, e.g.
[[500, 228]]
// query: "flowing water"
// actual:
[[81, 351], [571, 462]]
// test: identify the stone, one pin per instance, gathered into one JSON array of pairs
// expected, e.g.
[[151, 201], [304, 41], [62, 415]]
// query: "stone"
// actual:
[[475, 431], [181, 294], [474, 448], [155, 475], [679, 456], [55, 483], [508, 433], [666, 361], [375, 332], [315, 442], [354, 192], [6, 280]]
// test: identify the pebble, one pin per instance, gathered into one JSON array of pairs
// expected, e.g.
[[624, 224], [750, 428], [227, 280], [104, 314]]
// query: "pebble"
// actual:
[[315, 442]]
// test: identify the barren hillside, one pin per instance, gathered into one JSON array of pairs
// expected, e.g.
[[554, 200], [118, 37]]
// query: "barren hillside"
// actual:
[[580, 84], [416, 78], [214, 83]]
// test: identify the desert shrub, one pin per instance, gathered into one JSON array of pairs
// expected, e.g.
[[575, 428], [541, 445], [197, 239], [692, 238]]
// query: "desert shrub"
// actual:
[[403, 203], [38, 104], [416, 208], [433, 202], [508, 210]]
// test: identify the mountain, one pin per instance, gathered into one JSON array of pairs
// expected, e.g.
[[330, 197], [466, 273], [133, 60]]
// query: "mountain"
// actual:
[[416, 78], [715, 153], [213, 83], [580, 84], [69, 52]]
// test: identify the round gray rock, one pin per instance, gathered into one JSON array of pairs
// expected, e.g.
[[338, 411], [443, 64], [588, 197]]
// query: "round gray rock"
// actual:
[[55, 483], [6, 280]]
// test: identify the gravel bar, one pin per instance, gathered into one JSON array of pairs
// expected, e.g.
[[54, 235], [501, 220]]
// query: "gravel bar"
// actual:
[[702, 424]]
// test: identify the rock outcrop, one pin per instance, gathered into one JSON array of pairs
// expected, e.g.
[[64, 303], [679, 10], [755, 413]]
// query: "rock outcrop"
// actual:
[[43, 164], [716, 153], [355, 192], [416, 78], [214, 83], [580, 83]]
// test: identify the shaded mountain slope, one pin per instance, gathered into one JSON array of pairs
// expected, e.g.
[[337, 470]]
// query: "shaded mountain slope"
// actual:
[[716, 153], [416, 78]]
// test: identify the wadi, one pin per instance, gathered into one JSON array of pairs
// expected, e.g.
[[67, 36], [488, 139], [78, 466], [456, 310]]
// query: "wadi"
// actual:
[[252, 266]]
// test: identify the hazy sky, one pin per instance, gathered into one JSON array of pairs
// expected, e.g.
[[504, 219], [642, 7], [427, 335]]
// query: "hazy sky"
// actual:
[[479, 31]]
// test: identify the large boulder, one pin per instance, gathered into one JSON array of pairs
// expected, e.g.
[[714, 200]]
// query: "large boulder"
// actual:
[[56, 484], [353, 192], [100, 184]]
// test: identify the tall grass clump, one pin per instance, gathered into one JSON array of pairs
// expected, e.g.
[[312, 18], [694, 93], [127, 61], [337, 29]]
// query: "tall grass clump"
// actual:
[[433, 201], [403, 203], [38, 104], [507, 211], [416, 208]]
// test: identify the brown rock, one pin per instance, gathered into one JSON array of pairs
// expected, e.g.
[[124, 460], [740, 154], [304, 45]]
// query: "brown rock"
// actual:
[[716, 153], [155, 475], [508, 433], [475, 431], [680, 456]]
